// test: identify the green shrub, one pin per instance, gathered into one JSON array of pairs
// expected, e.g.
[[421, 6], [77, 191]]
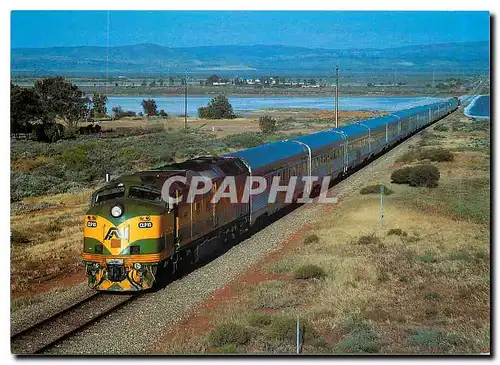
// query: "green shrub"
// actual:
[[375, 189], [244, 140], [424, 175], [427, 258], [437, 339], [361, 337], [259, 320], [409, 156], [283, 328], [459, 256], [432, 295], [437, 154], [401, 176], [227, 349], [441, 128], [229, 334], [309, 271], [18, 237], [397, 232], [311, 238], [268, 124], [370, 239]]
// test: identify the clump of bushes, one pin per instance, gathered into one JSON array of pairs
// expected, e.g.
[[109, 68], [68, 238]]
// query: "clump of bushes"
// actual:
[[309, 271], [311, 238], [361, 338], [375, 189], [18, 237], [283, 328], [259, 319], [424, 175], [397, 232], [437, 154], [420, 175], [401, 176], [441, 128], [370, 239], [268, 124], [229, 334]]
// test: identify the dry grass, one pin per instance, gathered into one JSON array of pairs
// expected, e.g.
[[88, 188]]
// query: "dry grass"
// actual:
[[55, 236]]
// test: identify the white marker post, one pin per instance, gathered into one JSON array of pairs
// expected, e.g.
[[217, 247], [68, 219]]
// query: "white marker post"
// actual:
[[381, 205]]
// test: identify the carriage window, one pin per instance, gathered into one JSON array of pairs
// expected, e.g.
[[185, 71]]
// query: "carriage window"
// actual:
[[109, 194], [144, 193]]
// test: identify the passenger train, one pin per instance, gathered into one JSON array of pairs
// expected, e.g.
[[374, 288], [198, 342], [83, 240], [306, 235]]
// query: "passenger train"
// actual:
[[132, 236]]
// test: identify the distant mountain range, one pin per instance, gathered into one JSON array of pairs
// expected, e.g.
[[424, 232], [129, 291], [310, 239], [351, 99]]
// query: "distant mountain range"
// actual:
[[143, 59]]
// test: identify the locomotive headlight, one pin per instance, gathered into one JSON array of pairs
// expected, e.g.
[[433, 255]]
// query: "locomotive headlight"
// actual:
[[137, 266], [116, 211]]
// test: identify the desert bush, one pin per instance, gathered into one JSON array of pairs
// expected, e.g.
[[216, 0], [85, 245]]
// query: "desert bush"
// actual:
[[441, 128], [259, 319], [268, 124], [361, 337], [283, 328], [375, 189], [244, 140], [401, 176], [309, 271], [19, 237], [273, 294], [437, 154], [397, 232], [311, 238], [424, 175], [227, 349], [409, 156], [441, 340], [370, 239], [229, 334]]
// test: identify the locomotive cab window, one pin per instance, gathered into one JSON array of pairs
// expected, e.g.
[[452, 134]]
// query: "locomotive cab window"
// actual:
[[137, 192], [108, 194]]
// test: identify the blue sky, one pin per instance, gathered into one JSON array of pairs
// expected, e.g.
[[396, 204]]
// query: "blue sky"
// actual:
[[312, 29]]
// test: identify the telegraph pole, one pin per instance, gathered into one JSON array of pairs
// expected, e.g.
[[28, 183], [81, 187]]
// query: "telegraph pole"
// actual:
[[336, 96], [185, 99]]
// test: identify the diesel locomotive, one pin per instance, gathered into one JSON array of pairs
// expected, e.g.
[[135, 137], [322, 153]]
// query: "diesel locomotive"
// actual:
[[132, 234]]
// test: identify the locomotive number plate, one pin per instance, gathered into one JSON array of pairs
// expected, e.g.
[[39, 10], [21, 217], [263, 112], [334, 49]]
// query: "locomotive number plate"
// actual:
[[145, 224]]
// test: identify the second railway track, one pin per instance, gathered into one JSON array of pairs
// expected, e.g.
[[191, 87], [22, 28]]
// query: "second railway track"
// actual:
[[47, 333]]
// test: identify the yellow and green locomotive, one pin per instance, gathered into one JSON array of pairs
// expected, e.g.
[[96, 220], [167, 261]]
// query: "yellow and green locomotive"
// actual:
[[131, 235]]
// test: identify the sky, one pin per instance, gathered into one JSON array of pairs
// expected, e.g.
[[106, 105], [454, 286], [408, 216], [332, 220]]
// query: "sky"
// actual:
[[313, 29]]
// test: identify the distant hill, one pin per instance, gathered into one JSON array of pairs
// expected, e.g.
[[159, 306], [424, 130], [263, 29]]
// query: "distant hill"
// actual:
[[247, 60]]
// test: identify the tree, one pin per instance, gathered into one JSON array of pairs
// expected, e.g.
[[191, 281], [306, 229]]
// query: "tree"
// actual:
[[63, 100], [211, 79], [25, 108], [160, 82], [268, 124], [218, 108], [171, 80], [149, 107], [117, 111], [99, 105]]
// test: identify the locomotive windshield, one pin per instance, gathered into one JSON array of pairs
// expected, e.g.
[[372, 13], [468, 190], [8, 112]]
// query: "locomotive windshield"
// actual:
[[144, 193], [108, 194]]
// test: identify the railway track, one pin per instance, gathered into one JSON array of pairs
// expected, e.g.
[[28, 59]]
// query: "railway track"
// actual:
[[49, 332]]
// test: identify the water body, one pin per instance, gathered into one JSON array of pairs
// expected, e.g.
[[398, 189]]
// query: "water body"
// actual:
[[175, 104], [479, 108]]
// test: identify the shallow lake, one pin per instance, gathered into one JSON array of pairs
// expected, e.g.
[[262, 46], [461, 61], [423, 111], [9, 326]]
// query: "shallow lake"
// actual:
[[175, 104]]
